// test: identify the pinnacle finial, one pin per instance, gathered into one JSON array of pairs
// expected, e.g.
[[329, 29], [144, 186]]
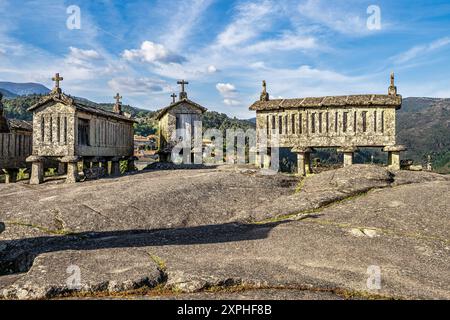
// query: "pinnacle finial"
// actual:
[[392, 91], [264, 95]]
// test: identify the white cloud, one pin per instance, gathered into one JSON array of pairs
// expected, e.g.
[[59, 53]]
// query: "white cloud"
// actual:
[[212, 69], [343, 19], [81, 65], [231, 102], [152, 52], [251, 19], [421, 50], [228, 92], [80, 54], [182, 23], [138, 86], [226, 89], [284, 43]]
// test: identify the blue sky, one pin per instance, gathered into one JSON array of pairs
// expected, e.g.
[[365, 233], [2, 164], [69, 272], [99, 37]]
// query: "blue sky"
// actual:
[[226, 48]]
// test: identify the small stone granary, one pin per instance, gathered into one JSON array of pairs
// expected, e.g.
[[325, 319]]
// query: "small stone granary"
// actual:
[[342, 122], [15, 145], [71, 130], [178, 115]]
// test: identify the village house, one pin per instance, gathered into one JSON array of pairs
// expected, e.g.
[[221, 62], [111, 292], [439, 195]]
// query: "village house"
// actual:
[[71, 130], [15, 145], [343, 122], [144, 144], [179, 115]]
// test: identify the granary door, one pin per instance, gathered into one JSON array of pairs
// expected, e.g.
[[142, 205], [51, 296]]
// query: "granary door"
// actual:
[[185, 122]]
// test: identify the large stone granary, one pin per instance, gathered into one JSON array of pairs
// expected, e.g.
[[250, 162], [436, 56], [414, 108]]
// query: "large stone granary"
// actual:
[[342, 122], [179, 116], [71, 130], [15, 144]]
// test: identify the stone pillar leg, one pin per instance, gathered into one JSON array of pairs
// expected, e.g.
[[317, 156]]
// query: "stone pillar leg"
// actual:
[[348, 158], [11, 175], [72, 168], [61, 168], [349, 155], [115, 167], [301, 164], [303, 160], [266, 161], [131, 166], [394, 160], [308, 164], [37, 169], [104, 164], [394, 156], [72, 172], [198, 156]]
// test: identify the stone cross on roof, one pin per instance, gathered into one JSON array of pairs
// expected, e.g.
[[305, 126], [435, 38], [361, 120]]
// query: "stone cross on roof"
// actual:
[[174, 96], [183, 94], [57, 80], [118, 105], [118, 97]]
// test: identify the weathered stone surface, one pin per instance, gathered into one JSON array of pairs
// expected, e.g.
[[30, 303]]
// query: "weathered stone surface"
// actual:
[[55, 274], [331, 186], [150, 200], [252, 294], [181, 239]]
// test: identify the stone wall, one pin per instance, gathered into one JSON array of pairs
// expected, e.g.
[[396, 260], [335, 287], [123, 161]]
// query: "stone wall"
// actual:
[[107, 137], [330, 127], [168, 123], [55, 134], [14, 149], [54, 131]]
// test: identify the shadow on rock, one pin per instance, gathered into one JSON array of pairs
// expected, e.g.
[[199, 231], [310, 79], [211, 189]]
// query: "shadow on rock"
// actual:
[[17, 256]]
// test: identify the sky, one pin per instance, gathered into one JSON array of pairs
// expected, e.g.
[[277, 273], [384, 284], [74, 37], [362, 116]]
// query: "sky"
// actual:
[[141, 48]]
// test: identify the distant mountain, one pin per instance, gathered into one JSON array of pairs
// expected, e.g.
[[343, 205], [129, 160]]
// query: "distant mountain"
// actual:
[[16, 108], [7, 94], [417, 104], [423, 126], [23, 89]]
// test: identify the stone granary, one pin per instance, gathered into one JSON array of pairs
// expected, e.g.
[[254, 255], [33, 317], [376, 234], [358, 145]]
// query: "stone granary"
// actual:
[[70, 130], [178, 115], [15, 145], [342, 122]]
